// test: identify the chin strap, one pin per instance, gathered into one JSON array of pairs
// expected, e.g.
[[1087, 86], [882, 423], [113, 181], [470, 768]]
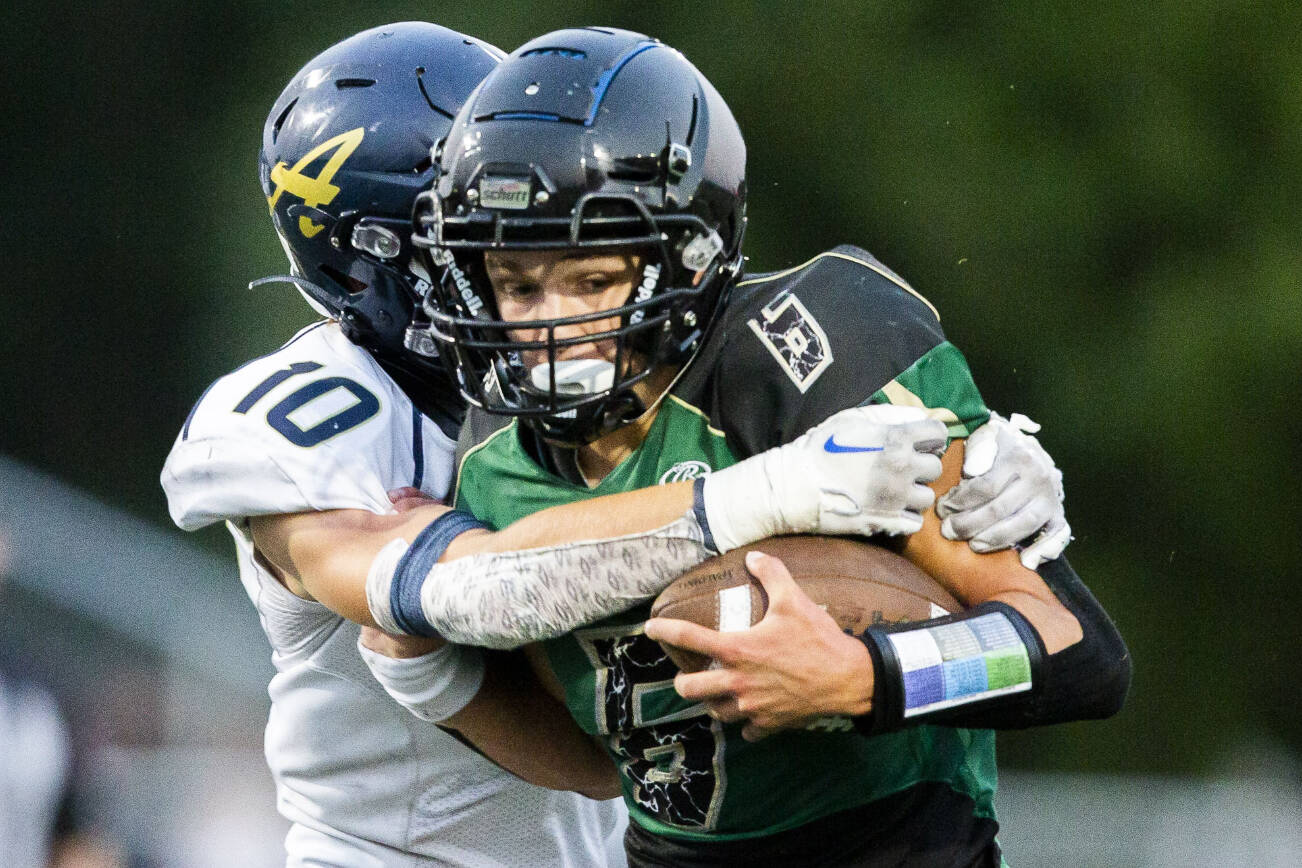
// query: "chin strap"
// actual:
[[315, 290], [322, 300]]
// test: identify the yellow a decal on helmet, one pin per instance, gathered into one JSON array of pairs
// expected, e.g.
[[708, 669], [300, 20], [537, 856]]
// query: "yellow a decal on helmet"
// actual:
[[317, 191]]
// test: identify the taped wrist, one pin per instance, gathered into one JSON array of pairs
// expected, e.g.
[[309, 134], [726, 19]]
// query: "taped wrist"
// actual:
[[737, 505], [398, 572], [433, 686], [949, 668]]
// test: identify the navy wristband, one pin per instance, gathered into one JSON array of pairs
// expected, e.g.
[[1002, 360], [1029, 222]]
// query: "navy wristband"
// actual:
[[698, 512], [415, 565]]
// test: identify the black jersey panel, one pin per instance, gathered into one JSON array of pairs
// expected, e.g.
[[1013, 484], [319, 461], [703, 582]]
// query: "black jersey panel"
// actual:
[[794, 347]]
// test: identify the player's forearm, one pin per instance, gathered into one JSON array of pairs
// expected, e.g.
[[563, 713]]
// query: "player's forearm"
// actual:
[[980, 578], [998, 672], [1067, 660], [1000, 577], [325, 556], [1087, 680], [555, 753], [489, 590], [490, 699], [605, 517], [509, 599], [542, 576]]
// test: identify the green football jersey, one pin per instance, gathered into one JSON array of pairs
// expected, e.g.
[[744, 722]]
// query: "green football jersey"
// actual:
[[789, 350]]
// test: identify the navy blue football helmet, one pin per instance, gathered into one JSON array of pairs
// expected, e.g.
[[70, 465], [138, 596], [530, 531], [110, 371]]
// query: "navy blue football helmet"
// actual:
[[587, 139], [345, 151]]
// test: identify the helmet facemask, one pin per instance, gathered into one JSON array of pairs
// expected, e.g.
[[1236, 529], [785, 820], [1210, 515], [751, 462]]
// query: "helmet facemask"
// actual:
[[572, 400]]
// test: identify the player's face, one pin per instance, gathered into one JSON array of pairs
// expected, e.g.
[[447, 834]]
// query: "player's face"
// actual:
[[551, 284]]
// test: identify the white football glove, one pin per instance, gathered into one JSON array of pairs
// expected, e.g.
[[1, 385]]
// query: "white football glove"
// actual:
[[863, 471], [1010, 491]]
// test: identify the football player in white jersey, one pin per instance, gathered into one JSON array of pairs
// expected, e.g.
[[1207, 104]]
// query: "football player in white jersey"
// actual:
[[298, 452], [320, 424]]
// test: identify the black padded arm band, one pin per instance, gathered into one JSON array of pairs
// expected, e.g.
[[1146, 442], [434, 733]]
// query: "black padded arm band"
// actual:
[[924, 671], [1087, 680]]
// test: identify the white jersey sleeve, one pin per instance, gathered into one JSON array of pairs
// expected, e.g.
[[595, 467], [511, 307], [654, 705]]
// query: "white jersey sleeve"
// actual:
[[315, 425]]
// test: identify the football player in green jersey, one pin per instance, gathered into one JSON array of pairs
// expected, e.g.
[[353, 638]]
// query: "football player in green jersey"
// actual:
[[585, 239]]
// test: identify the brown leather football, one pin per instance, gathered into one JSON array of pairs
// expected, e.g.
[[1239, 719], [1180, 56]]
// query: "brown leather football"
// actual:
[[858, 583]]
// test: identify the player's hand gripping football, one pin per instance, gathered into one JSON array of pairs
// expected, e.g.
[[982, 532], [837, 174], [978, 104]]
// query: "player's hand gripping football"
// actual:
[[1010, 492], [864, 471], [793, 667]]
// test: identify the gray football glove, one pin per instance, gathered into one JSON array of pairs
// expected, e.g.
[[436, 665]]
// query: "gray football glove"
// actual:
[[1010, 492]]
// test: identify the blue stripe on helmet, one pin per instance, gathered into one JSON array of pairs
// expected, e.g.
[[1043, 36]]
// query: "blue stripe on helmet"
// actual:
[[603, 83]]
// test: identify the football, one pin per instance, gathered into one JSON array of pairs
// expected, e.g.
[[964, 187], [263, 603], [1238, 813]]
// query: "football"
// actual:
[[859, 584]]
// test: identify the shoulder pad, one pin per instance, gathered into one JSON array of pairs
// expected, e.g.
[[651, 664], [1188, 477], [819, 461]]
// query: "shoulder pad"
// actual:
[[844, 268], [793, 347], [842, 309], [479, 427], [315, 425]]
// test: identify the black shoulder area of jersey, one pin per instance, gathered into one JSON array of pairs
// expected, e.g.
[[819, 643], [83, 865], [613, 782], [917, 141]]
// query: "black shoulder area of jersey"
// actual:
[[792, 347], [478, 427]]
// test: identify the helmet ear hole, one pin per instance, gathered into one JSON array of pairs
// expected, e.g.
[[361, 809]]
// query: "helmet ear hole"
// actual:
[[347, 281], [280, 121]]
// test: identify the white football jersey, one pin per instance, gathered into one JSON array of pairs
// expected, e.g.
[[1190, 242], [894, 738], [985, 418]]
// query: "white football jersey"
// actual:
[[318, 425]]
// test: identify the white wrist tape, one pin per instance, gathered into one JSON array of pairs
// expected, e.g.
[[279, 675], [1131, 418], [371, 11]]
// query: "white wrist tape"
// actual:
[[379, 581], [433, 686]]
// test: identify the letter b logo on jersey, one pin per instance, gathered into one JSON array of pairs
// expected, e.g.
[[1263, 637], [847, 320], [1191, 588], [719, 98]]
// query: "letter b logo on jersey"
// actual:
[[317, 191]]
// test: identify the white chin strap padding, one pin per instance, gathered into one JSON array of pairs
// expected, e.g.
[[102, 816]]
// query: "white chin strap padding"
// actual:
[[575, 376]]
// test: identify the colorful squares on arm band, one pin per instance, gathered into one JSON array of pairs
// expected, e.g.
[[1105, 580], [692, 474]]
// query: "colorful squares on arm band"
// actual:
[[985, 656], [961, 662]]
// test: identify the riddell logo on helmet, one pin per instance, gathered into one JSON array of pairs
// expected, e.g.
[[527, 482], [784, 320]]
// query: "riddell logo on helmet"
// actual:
[[473, 302], [650, 278]]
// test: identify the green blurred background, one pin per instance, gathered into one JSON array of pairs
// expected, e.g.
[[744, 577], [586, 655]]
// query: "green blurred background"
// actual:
[[1095, 196]]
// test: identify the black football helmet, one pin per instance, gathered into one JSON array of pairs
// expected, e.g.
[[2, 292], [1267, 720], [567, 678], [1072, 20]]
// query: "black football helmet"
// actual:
[[587, 139], [345, 151]]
